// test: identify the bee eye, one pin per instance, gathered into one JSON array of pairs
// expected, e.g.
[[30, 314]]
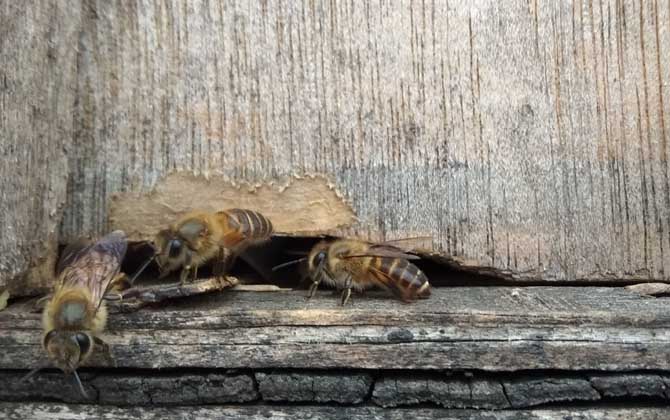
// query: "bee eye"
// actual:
[[83, 341], [320, 257], [174, 247]]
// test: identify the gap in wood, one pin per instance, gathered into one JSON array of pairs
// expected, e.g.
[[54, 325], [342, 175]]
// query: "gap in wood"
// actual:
[[523, 389], [255, 267]]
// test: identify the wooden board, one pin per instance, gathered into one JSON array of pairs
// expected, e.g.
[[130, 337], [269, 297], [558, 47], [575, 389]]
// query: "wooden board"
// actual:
[[528, 138], [487, 329], [38, 88], [386, 388], [75, 412]]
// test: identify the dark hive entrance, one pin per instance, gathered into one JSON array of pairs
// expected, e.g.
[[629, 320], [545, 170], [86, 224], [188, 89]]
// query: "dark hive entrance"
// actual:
[[255, 265]]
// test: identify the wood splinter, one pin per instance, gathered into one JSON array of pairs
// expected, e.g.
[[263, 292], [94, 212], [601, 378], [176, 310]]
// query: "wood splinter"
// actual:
[[136, 297], [650, 289]]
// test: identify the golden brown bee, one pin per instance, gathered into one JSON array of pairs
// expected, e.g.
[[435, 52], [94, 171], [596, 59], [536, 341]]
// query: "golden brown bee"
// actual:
[[349, 263], [76, 313], [200, 237]]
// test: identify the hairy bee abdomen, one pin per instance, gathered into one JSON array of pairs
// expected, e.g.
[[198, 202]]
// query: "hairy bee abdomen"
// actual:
[[410, 281], [253, 225]]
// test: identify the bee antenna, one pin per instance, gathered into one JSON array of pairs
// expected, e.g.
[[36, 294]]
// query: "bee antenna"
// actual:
[[286, 264], [295, 252], [81, 386], [141, 269], [31, 373]]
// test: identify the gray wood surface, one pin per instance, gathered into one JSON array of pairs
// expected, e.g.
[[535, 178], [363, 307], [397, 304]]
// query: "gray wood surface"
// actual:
[[387, 388], [526, 137], [488, 329], [75, 412], [518, 391], [38, 80]]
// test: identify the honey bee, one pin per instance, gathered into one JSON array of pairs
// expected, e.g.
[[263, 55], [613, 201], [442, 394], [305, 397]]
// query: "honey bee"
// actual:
[[353, 264], [200, 237], [76, 313]]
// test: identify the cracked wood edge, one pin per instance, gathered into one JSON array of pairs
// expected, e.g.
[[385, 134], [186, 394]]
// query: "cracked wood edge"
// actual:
[[386, 389]]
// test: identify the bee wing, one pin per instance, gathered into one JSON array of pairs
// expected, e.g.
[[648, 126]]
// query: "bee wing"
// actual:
[[191, 229], [411, 243], [71, 253], [234, 235], [381, 250], [386, 282], [95, 266]]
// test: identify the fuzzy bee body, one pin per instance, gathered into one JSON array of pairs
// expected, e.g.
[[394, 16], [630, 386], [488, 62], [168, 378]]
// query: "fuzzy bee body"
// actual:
[[200, 237], [73, 309], [351, 264], [76, 313]]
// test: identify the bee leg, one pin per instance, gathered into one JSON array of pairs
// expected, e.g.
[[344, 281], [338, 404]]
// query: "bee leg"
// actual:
[[228, 259], [116, 287], [312, 289], [346, 293], [117, 283], [220, 267], [314, 285], [195, 273], [104, 349], [183, 276]]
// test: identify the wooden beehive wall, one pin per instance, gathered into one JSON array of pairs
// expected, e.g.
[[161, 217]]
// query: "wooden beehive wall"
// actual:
[[528, 137]]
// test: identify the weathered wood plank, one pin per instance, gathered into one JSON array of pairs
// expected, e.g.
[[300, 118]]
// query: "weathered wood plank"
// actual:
[[137, 389], [528, 138], [492, 329], [44, 411], [314, 387], [633, 385], [518, 391], [39, 72], [386, 388], [527, 392], [450, 393]]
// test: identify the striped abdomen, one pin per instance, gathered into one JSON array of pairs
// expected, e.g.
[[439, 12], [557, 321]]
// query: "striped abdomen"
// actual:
[[402, 277], [247, 225]]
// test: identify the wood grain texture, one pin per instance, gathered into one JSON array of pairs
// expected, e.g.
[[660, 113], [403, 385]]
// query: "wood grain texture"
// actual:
[[388, 388], [38, 79], [486, 329], [17, 411], [518, 391], [528, 138], [314, 387], [146, 389]]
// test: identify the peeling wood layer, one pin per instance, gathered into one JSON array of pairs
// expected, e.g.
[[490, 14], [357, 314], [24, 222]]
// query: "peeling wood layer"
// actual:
[[298, 205]]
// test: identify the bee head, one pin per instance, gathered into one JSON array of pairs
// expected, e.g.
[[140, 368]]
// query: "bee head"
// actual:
[[318, 257], [68, 349], [171, 252]]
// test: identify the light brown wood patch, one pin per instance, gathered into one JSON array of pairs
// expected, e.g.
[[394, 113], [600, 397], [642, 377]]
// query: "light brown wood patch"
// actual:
[[299, 205]]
